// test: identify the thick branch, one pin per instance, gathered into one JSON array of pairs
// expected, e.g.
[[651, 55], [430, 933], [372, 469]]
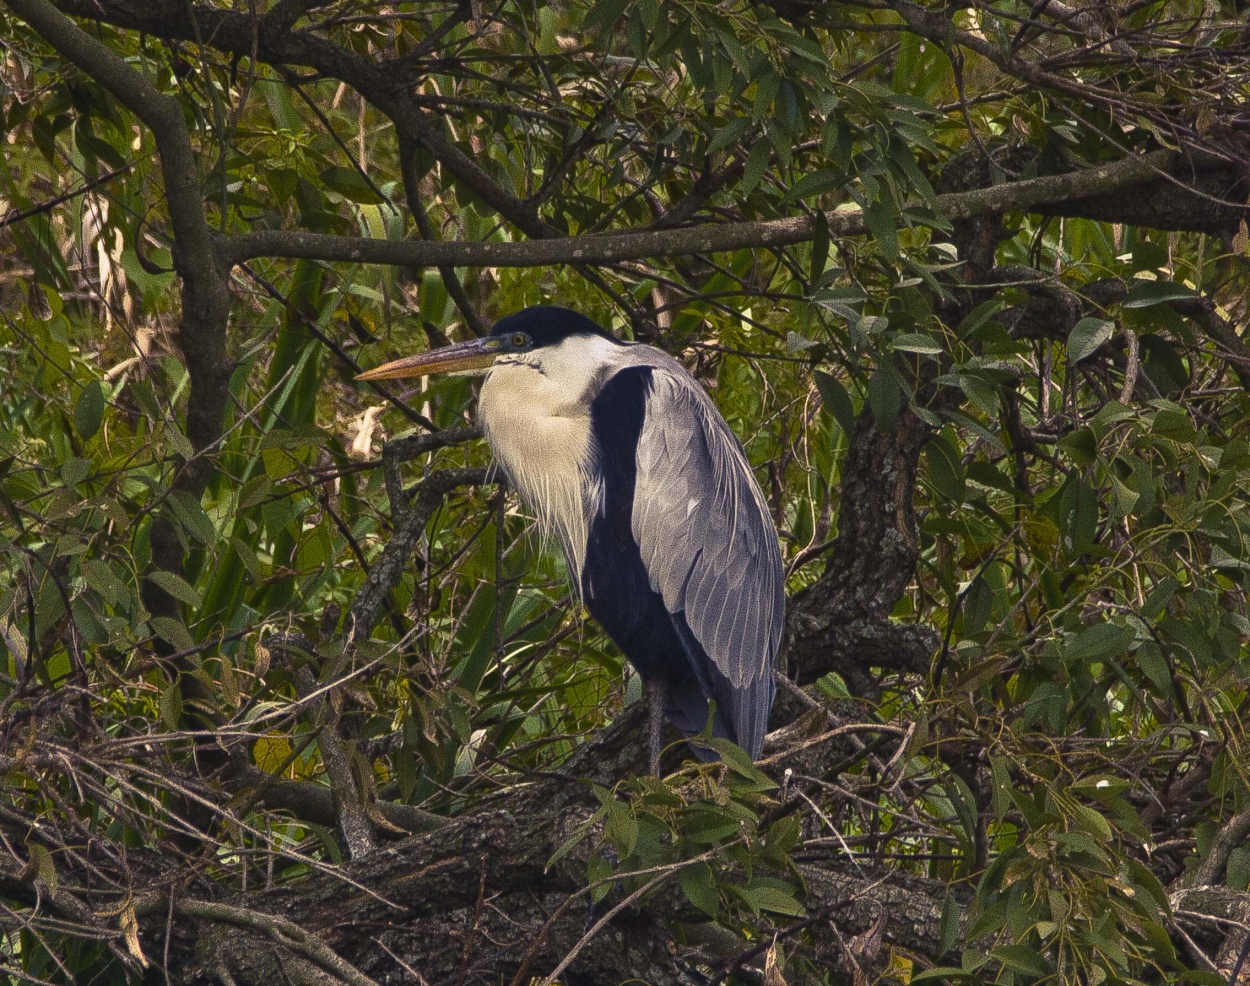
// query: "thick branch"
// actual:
[[608, 248], [841, 623], [1200, 196]]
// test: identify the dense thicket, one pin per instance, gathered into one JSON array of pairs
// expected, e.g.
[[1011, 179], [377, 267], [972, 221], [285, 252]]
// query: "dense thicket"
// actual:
[[289, 693]]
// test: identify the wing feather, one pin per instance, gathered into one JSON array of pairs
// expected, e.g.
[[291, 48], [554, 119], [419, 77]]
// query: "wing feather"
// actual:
[[708, 544]]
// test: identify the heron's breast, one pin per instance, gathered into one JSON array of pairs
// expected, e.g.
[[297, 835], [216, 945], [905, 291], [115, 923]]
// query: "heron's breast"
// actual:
[[543, 442]]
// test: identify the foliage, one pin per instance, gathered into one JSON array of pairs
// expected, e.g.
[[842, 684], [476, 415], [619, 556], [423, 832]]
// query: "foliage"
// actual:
[[201, 631]]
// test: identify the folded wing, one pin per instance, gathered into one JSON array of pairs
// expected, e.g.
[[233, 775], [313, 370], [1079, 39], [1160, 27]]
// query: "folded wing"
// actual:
[[710, 549]]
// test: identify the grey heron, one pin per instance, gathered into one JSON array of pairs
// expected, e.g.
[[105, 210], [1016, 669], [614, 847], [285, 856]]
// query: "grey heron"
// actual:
[[622, 456]]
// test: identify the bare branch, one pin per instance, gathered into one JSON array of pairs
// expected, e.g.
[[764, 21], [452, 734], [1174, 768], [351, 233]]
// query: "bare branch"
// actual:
[[609, 248]]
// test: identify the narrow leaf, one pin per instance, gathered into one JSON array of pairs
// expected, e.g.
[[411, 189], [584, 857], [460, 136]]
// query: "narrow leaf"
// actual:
[[176, 586], [1087, 336], [836, 400], [699, 886], [89, 410]]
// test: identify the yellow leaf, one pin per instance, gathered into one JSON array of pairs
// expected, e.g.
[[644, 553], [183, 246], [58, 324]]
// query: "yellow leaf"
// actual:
[[130, 931], [900, 968], [270, 752]]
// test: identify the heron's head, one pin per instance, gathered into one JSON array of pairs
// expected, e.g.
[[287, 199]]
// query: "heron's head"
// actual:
[[531, 330]]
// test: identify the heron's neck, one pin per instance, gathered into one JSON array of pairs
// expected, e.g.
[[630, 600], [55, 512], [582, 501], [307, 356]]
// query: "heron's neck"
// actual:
[[535, 411]]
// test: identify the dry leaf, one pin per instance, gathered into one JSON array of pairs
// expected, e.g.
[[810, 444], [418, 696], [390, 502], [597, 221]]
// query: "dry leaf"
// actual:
[[772, 971], [130, 931], [366, 424]]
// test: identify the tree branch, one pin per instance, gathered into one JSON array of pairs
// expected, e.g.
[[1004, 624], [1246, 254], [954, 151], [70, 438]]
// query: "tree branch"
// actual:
[[640, 244]]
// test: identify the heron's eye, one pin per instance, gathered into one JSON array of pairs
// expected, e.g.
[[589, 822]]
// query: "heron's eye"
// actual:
[[520, 339]]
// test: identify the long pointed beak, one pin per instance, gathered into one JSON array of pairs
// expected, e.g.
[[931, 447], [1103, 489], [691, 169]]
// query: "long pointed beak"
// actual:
[[476, 354]]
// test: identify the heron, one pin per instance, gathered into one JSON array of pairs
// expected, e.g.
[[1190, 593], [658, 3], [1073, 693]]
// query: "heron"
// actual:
[[624, 458]]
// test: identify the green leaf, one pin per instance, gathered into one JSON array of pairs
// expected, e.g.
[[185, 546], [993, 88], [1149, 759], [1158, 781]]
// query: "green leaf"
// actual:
[[963, 802], [1154, 666], [836, 401], [885, 398], [574, 840], [1173, 423], [985, 474], [978, 605], [1144, 294], [767, 83], [175, 631], [736, 759], [351, 184], [1082, 445], [1087, 336], [796, 343], [979, 316], [1092, 822], [1163, 364], [171, 707], [916, 342], [1156, 602], [765, 894], [1123, 498], [699, 886], [74, 470], [949, 925], [707, 827], [1079, 506], [1142, 877], [182, 445], [599, 871], [100, 576], [881, 222], [621, 827], [1000, 792], [88, 622], [176, 586], [89, 410], [1239, 868], [1096, 642], [783, 835], [191, 516], [605, 14], [730, 133], [833, 685], [946, 470], [980, 391], [1021, 958], [757, 161], [814, 184], [249, 558], [45, 868], [940, 973], [255, 490], [1100, 786], [1148, 256]]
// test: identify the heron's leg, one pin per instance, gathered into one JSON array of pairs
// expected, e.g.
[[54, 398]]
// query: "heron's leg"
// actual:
[[656, 694]]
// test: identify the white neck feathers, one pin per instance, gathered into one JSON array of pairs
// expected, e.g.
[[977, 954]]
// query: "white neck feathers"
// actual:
[[535, 412]]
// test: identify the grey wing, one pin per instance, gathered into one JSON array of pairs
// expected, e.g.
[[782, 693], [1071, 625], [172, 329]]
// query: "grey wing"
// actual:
[[709, 545]]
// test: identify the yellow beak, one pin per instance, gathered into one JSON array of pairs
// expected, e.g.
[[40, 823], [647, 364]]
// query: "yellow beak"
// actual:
[[476, 354]]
